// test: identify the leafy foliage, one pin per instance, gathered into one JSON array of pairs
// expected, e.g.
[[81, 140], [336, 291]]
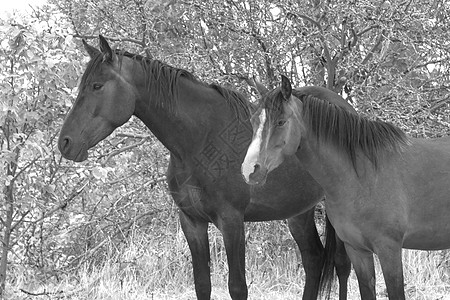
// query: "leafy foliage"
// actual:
[[389, 58], [56, 214]]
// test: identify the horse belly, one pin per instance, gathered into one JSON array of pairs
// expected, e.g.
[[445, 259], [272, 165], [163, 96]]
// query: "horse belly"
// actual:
[[428, 217], [434, 236], [426, 178]]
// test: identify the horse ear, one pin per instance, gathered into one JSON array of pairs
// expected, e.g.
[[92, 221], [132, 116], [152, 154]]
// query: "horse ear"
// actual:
[[286, 88], [89, 49], [105, 49], [262, 90]]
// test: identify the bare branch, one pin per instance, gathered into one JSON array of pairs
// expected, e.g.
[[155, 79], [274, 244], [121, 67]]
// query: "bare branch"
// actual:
[[315, 23], [259, 86], [113, 39], [326, 50], [425, 64], [24, 168], [439, 104], [64, 203], [44, 293], [375, 47], [124, 149], [367, 29], [134, 135], [20, 220]]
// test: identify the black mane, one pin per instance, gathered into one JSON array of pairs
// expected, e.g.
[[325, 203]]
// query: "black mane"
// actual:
[[348, 131], [162, 80]]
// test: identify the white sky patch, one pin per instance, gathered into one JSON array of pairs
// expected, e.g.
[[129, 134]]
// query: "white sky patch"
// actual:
[[275, 11], [8, 6], [204, 26]]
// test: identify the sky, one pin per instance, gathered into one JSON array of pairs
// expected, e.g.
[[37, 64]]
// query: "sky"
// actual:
[[10, 5]]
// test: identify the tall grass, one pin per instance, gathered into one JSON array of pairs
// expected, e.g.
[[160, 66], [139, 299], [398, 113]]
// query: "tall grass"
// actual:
[[157, 265]]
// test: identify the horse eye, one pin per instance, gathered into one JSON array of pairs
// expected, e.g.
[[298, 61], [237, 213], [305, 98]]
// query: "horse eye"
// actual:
[[281, 122], [97, 86]]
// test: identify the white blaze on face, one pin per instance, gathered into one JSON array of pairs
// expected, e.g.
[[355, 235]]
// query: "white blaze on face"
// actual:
[[248, 166]]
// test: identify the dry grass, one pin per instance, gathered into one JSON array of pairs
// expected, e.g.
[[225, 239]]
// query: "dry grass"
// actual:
[[152, 268]]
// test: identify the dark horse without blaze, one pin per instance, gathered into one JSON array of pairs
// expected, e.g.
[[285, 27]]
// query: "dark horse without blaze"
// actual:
[[207, 131]]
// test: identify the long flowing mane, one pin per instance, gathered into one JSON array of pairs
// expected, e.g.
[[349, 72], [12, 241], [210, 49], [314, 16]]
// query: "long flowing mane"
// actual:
[[163, 79], [348, 131], [351, 132]]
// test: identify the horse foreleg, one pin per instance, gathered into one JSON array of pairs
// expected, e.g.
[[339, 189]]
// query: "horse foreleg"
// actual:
[[304, 231], [196, 233], [390, 256], [232, 227], [365, 271]]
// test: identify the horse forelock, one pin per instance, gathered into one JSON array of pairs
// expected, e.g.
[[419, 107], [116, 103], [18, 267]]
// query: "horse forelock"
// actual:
[[350, 132], [272, 102], [92, 65]]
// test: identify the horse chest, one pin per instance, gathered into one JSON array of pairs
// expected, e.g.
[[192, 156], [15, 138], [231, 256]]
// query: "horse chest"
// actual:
[[349, 225], [185, 189]]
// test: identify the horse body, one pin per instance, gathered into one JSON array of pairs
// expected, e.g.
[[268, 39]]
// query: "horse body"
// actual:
[[384, 191], [405, 190], [425, 174], [400, 204], [206, 130]]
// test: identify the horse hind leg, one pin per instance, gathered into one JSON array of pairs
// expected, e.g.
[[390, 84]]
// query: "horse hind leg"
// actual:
[[304, 231], [335, 258], [343, 268]]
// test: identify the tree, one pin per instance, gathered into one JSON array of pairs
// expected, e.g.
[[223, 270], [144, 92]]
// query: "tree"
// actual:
[[55, 214], [389, 58], [38, 64]]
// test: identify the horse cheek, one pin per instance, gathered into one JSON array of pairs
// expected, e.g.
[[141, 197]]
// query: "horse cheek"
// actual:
[[120, 108], [293, 136]]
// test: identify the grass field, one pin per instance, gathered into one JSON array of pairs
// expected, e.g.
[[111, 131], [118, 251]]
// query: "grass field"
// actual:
[[152, 266]]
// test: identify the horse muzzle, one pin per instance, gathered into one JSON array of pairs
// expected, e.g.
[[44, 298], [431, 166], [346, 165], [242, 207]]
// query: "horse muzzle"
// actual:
[[71, 151], [257, 176]]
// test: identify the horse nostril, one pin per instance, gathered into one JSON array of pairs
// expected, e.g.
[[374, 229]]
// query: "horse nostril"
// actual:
[[256, 168], [64, 144]]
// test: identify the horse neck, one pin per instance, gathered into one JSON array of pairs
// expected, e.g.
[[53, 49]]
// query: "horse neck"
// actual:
[[330, 166], [196, 113]]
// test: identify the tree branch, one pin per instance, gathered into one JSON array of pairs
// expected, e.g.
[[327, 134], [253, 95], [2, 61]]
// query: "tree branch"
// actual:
[[134, 135], [123, 149], [44, 293], [19, 221], [64, 203], [439, 104], [110, 38], [374, 48], [368, 28]]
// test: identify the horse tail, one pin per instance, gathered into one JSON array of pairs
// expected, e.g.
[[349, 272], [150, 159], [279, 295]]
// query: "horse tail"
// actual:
[[327, 277]]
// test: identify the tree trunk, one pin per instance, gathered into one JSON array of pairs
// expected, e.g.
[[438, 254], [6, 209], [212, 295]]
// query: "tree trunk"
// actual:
[[9, 200]]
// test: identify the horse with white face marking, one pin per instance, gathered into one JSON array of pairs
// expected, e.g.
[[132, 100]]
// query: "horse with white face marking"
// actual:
[[384, 191]]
